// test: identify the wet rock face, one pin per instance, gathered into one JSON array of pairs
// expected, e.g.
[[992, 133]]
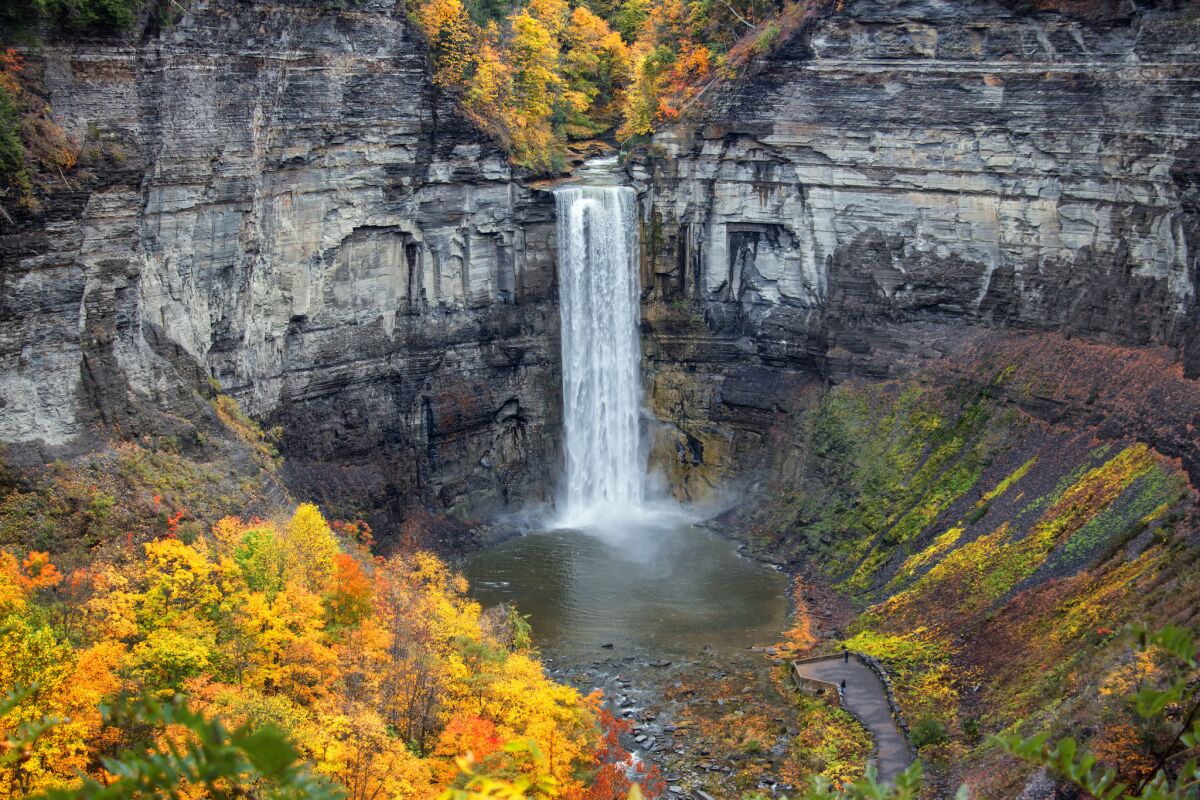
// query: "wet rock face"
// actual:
[[903, 168], [279, 198]]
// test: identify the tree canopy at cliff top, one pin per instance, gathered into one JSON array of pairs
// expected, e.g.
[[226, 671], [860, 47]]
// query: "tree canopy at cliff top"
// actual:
[[541, 73]]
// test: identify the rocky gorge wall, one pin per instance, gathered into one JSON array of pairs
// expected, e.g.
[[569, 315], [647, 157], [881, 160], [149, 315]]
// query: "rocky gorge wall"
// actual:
[[921, 309], [903, 171], [274, 194]]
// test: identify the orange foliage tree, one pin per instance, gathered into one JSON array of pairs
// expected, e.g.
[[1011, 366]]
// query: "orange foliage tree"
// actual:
[[382, 671]]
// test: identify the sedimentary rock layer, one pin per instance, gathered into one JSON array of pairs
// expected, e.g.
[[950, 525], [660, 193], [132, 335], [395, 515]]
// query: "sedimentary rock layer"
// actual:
[[276, 195], [900, 169]]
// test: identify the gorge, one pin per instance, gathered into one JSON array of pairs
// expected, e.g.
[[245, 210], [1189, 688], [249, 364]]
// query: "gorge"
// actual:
[[910, 299]]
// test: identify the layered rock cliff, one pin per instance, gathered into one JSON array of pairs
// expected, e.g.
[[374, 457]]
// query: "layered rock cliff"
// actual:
[[276, 196], [924, 287], [901, 171]]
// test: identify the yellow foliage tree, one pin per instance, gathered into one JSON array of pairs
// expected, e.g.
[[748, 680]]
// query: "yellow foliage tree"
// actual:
[[69, 684], [596, 64], [355, 748], [490, 94], [12, 589], [552, 14], [362, 662], [640, 99], [525, 705], [534, 54], [310, 549], [451, 36]]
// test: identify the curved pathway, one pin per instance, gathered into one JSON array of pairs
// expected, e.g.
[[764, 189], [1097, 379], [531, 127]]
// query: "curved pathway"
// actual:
[[865, 699]]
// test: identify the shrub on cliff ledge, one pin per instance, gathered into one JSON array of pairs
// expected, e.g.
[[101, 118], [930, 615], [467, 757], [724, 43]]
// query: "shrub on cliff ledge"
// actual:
[[109, 15], [32, 145], [12, 151]]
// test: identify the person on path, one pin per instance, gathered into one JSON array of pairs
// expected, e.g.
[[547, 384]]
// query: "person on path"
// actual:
[[843, 685], [845, 654]]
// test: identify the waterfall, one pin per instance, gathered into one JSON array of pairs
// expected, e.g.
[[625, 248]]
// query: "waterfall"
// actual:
[[601, 352]]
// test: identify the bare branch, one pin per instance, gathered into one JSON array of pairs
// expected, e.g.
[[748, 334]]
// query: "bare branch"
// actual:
[[733, 11]]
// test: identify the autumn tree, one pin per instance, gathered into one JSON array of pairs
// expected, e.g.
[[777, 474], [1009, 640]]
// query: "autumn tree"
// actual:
[[552, 14], [596, 65], [349, 601], [489, 95], [451, 36], [533, 54], [640, 100], [416, 681], [355, 748], [260, 555], [375, 669], [629, 18], [310, 549]]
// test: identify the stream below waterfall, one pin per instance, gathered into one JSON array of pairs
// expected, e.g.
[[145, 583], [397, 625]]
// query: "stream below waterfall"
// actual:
[[624, 593], [661, 589], [656, 614]]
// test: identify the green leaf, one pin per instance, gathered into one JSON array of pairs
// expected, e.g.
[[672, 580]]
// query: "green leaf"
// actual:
[[1176, 640], [1151, 702], [269, 751]]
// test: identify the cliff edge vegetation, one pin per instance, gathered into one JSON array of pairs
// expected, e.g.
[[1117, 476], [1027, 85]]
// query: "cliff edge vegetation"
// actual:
[[541, 74]]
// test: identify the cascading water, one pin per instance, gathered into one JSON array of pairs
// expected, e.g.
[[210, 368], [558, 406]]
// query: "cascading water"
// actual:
[[621, 564], [618, 549], [601, 353]]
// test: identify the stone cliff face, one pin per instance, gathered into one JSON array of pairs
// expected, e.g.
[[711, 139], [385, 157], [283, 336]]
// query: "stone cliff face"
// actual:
[[902, 169], [275, 195]]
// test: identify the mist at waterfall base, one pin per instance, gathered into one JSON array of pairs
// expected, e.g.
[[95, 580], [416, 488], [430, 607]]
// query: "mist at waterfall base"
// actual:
[[619, 564]]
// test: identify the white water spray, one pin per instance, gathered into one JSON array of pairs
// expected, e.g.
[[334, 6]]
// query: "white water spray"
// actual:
[[601, 352]]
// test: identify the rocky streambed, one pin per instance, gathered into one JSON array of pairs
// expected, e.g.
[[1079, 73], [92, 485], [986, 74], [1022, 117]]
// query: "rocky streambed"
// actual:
[[678, 714], [678, 630]]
